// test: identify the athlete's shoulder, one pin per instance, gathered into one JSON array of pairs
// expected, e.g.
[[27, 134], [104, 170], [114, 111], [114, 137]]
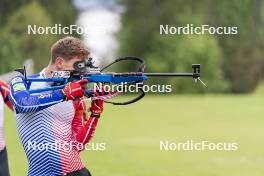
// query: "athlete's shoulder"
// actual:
[[18, 84]]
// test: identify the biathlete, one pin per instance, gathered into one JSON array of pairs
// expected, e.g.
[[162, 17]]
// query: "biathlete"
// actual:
[[56, 118]]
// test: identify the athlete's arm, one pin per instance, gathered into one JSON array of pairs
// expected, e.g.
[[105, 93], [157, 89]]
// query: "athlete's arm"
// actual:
[[24, 102], [84, 128], [4, 90]]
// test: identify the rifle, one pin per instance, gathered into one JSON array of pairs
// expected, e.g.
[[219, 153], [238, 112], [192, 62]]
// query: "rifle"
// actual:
[[86, 70]]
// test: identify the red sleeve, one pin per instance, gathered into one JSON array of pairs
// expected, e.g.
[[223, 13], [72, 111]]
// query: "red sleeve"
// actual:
[[82, 126], [4, 90]]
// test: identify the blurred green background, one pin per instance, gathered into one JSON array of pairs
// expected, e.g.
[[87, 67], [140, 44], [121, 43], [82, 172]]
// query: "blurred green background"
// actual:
[[229, 110]]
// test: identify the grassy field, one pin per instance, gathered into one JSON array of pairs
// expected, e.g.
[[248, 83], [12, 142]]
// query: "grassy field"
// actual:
[[132, 135]]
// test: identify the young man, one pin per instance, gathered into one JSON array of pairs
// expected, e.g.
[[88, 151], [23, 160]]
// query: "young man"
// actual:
[[56, 120], [4, 91]]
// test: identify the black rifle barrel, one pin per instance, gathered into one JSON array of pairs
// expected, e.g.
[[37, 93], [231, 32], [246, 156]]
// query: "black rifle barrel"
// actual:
[[169, 74]]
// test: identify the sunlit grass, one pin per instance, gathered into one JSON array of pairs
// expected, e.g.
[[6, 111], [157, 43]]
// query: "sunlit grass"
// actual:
[[132, 135]]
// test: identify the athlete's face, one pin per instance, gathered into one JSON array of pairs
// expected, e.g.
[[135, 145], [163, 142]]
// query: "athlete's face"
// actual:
[[62, 64]]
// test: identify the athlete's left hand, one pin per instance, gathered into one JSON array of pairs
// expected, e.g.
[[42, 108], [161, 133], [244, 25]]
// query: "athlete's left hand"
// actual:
[[97, 106]]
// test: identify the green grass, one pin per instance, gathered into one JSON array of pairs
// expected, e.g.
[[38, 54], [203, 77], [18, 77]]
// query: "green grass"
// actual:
[[132, 135]]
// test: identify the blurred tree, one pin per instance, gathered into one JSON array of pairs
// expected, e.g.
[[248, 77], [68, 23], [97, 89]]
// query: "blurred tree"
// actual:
[[15, 16], [7, 7], [32, 46], [61, 11], [10, 57], [261, 35], [242, 62], [141, 29], [177, 54], [244, 68], [140, 25], [140, 36]]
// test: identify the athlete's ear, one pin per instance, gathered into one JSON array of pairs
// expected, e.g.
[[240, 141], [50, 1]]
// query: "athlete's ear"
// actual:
[[59, 62]]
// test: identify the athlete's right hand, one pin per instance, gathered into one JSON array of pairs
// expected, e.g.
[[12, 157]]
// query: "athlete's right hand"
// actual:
[[74, 90]]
